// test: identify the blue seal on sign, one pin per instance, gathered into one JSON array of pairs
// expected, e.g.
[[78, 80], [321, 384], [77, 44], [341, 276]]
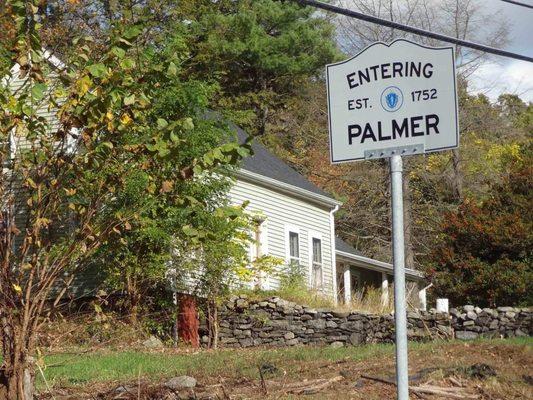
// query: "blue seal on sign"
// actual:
[[391, 99]]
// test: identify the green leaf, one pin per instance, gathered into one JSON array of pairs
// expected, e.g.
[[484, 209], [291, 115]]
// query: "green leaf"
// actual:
[[127, 63], [187, 124], [38, 90], [119, 52], [174, 138], [172, 69], [97, 70], [189, 231], [132, 31], [129, 100], [161, 123]]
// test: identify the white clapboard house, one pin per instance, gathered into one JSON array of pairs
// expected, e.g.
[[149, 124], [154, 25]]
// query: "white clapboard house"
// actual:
[[297, 223]]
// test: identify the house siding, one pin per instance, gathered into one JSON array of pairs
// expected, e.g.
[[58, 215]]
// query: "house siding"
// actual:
[[282, 211]]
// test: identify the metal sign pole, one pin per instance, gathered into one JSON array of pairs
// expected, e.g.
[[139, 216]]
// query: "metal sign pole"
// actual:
[[398, 248]]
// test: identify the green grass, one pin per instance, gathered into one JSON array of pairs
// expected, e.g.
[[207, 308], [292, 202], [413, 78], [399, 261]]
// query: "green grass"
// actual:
[[70, 370]]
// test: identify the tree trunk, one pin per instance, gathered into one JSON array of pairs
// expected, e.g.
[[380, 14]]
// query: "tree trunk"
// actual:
[[457, 176], [17, 382], [188, 324], [212, 324], [135, 300]]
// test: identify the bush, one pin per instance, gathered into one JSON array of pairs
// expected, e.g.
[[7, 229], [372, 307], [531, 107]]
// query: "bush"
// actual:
[[486, 249]]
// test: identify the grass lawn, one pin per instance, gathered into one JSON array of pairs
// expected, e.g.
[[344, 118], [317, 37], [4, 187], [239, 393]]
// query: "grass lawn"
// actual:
[[239, 368]]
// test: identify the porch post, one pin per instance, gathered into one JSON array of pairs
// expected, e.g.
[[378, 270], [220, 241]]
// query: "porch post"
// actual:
[[422, 299], [347, 284], [384, 289]]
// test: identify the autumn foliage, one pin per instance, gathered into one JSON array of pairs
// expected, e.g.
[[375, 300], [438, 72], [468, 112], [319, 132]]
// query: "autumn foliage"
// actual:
[[485, 253]]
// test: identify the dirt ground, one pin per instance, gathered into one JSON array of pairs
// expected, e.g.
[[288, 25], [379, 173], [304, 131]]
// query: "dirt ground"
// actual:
[[502, 372]]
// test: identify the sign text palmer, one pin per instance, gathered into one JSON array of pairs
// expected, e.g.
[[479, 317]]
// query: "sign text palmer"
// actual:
[[390, 96]]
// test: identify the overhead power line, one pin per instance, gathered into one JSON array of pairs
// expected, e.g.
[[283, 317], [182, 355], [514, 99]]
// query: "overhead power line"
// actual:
[[517, 3], [412, 29]]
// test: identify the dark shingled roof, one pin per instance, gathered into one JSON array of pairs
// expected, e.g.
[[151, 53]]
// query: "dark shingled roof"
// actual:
[[341, 245], [263, 162]]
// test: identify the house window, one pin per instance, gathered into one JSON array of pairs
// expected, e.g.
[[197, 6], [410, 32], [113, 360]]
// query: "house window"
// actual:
[[294, 247], [316, 262]]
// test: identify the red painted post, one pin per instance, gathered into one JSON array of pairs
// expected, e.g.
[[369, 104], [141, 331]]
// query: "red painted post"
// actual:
[[188, 323]]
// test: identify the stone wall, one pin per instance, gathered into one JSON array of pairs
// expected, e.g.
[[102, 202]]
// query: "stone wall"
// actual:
[[276, 322]]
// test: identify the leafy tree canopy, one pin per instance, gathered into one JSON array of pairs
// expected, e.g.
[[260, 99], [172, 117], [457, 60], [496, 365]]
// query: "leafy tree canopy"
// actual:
[[485, 250]]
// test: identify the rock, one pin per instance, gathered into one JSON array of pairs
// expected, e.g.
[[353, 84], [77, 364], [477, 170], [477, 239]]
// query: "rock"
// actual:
[[510, 314], [469, 323], [316, 324], [153, 343], [455, 312], [126, 389], [466, 335], [356, 338], [289, 336], [337, 345], [352, 326], [331, 324], [181, 382], [505, 309], [246, 342], [520, 333], [477, 310], [292, 342], [468, 308], [241, 303], [340, 314], [471, 315]]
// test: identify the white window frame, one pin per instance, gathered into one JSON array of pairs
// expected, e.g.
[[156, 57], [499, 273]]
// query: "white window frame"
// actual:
[[259, 248], [297, 230], [315, 235]]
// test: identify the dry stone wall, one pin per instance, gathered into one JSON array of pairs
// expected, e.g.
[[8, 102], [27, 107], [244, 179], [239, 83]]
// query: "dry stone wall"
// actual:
[[277, 322]]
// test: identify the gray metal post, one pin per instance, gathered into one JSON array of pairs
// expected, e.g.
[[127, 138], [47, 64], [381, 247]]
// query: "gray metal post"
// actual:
[[398, 248]]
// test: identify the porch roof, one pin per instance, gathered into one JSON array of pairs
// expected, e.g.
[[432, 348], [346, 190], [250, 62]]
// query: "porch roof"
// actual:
[[346, 253]]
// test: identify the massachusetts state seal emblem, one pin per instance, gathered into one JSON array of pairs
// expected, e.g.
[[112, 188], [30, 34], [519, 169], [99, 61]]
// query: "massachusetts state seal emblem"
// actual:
[[392, 99]]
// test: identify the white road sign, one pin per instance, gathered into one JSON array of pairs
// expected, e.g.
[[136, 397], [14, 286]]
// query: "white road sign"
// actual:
[[392, 95]]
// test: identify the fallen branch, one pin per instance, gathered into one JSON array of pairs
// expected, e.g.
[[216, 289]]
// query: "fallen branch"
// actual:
[[319, 385], [444, 392], [377, 379], [449, 393], [263, 384]]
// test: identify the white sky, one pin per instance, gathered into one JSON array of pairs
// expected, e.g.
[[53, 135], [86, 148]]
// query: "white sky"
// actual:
[[503, 74]]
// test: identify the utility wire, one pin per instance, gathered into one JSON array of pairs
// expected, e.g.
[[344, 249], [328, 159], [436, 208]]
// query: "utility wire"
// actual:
[[412, 29], [517, 3]]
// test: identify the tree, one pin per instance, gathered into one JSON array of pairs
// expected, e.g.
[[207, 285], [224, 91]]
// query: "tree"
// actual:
[[484, 254], [81, 132], [260, 52], [139, 262], [458, 19]]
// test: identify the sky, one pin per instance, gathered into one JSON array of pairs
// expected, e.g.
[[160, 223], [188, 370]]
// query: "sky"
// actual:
[[503, 74]]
